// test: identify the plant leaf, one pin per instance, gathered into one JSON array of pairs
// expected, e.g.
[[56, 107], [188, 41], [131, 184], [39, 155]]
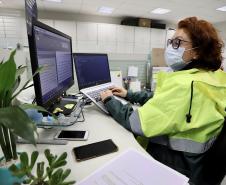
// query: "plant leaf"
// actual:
[[40, 169], [50, 157], [5, 149], [7, 79], [13, 168], [24, 160], [68, 183], [13, 145], [19, 172], [20, 70], [56, 177], [16, 85], [34, 157], [59, 164], [18, 122], [66, 174], [7, 98], [6, 136], [63, 156], [25, 85], [8, 73], [49, 172]]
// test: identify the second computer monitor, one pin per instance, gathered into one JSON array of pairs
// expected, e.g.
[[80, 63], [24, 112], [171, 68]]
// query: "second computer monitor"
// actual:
[[91, 69]]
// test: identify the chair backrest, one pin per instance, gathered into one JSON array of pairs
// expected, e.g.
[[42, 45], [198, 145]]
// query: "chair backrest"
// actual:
[[214, 166]]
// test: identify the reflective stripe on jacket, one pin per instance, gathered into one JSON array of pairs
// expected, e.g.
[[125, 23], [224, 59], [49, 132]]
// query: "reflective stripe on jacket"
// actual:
[[195, 94]]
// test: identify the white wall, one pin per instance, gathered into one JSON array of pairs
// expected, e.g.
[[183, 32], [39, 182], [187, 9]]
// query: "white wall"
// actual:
[[126, 45], [78, 17], [12, 31], [221, 27], [104, 35]]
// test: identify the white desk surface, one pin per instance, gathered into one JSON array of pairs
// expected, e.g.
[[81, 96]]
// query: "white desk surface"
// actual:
[[100, 127]]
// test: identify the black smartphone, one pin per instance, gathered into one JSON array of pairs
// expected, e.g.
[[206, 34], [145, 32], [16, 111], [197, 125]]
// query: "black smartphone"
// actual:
[[73, 135], [94, 150]]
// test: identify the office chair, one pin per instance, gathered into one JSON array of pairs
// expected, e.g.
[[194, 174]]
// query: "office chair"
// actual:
[[214, 161]]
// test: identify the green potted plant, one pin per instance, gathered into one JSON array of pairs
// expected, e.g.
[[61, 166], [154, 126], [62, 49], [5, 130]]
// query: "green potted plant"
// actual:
[[53, 175], [13, 119]]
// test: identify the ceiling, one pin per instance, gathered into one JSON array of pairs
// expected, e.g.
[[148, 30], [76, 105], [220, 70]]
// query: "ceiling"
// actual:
[[205, 9]]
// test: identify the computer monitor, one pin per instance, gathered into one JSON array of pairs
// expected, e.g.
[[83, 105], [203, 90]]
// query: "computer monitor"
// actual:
[[91, 69], [53, 50]]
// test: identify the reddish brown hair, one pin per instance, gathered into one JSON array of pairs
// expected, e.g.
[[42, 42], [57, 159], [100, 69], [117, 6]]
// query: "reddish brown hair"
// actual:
[[204, 36]]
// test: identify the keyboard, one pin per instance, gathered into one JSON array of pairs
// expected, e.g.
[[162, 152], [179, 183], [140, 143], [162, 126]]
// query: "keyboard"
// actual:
[[44, 141], [96, 93]]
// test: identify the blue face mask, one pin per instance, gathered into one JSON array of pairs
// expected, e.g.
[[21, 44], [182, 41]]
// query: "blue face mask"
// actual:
[[173, 58]]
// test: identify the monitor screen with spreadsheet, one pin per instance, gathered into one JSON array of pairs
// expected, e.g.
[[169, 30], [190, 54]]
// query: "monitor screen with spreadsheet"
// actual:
[[51, 49]]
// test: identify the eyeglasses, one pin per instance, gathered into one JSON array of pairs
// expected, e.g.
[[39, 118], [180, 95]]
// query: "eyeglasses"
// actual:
[[175, 42]]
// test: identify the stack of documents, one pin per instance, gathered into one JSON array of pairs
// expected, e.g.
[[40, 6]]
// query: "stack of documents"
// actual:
[[134, 168]]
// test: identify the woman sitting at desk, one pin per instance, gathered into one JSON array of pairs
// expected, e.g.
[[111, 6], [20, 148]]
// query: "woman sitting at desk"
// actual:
[[187, 111]]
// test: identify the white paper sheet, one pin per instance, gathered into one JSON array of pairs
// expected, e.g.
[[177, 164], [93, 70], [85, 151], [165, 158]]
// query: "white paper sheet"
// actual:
[[116, 78], [134, 168], [135, 86], [133, 71]]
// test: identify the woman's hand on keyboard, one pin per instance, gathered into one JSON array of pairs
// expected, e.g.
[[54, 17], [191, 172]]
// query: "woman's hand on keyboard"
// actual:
[[105, 94], [119, 91]]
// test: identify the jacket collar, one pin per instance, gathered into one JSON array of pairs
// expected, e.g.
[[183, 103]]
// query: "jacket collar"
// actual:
[[213, 78]]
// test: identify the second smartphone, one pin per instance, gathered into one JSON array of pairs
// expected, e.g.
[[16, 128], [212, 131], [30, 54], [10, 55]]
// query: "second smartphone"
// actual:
[[74, 135]]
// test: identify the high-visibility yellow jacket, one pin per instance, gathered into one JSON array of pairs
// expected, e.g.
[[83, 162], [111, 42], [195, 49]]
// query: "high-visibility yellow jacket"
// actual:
[[184, 117], [187, 110]]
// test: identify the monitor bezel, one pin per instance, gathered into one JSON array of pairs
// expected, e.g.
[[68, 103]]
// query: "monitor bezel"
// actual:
[[91, 54], [34, 66]]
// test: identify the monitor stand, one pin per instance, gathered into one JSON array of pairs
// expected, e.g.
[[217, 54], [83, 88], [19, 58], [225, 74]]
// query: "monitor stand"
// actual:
[[44, 141], [46, 136], [65, 107]]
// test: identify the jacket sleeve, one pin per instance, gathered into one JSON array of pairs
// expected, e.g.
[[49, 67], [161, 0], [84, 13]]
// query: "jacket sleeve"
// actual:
[[124, 115], [139, 97], [119, 112]]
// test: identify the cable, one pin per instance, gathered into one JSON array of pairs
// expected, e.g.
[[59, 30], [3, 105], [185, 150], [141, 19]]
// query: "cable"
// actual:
[[73, 118], [84, 101]]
